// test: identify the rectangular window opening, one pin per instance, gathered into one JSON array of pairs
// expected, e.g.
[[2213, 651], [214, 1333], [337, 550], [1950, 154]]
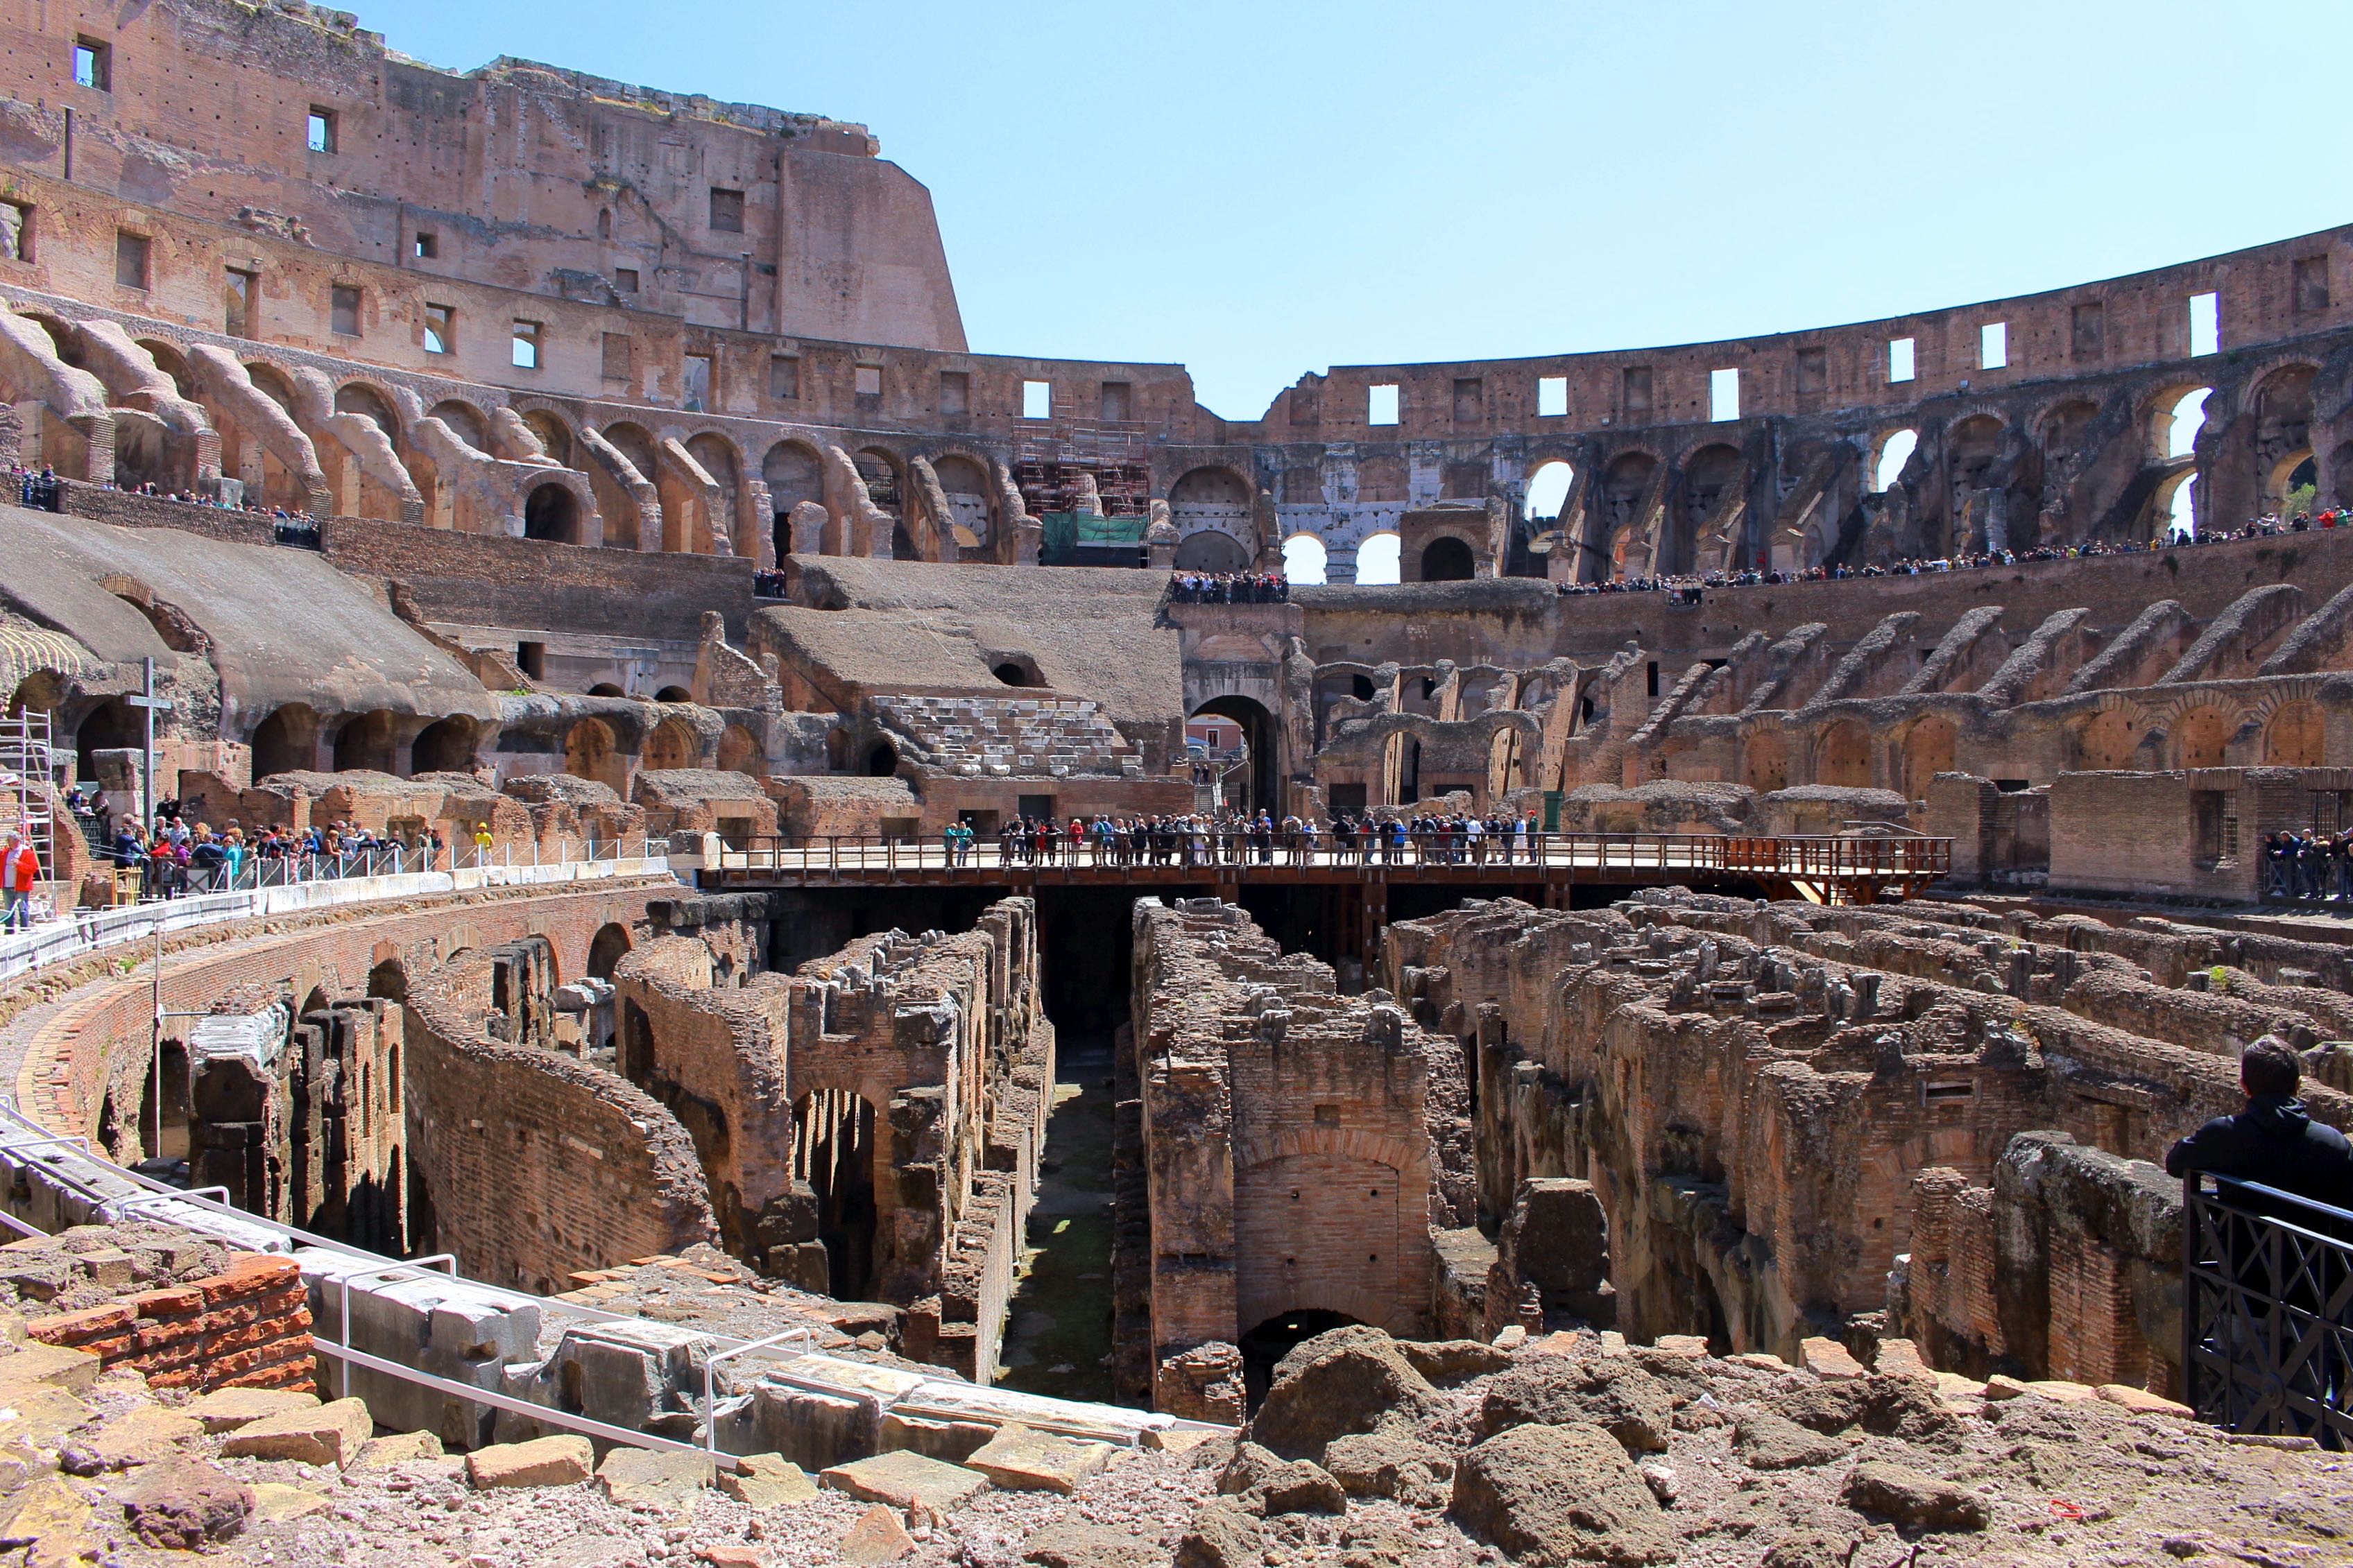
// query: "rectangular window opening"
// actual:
[[1381, 404], [343, 310], [696, 383], [530, 657], [2205, 324], [1552, 397], [1993, 345], [785, 377], [726, 211], [1901, 364], [866, 380], [624, 280], [1723, 394], [428, 245], [620, 356], [319, 131], [526, 345], [955, 392], [16, 232], [93, 64], [130, 259], [1037, 400], [240, 290], [441, 329]]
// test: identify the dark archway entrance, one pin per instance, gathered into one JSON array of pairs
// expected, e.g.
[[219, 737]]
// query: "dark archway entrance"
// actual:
[[1448, 561], [833, 1152], [1257, 776], [553, 513], [1278, 1337]]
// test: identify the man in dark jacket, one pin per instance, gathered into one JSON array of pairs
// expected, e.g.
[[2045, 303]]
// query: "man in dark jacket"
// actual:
[[2272, 1142]]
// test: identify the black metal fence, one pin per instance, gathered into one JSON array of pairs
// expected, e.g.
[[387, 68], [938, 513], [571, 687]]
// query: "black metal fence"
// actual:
[[2267, 1319]]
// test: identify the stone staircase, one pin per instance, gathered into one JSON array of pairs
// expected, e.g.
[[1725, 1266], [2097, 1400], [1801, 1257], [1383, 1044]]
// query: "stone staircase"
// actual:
[[1010, 737]]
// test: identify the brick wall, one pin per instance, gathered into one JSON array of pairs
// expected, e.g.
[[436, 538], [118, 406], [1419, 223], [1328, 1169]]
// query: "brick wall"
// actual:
[[485, 580], [246, 1327], [537, 1164]]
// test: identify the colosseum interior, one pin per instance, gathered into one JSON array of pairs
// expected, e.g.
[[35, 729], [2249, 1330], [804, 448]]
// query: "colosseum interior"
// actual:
[[588, 489]]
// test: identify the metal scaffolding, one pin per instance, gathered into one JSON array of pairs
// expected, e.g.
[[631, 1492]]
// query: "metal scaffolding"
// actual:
[[29, 774]]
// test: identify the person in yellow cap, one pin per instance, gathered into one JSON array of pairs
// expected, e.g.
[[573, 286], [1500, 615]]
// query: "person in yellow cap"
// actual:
[[481, 843]]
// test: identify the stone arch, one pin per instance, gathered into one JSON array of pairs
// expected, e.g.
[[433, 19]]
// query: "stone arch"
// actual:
[[446, 746], [1214, 498], [635, 443], [1890, 451], [465, 421], [606, 948], [1209, 550], [369, 741], [1843, 754], [2109, 740], [286, 742], [1928, 747], [886, 487], [964, 481], [794, 473], [589, 753], [1709, 474], [370, 401], [1765, 761], [719, 458], [1447, 559], [2296, 736], [555, 437], [739, 753], [671, 745], [552, 513], [1258, 732], [2200, 736], [2061, 429], [174, 363], [1625, 479]]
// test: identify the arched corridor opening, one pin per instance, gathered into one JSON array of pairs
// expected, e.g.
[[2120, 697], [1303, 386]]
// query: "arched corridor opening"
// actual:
[[552, 513], [1251, 786], [1893, 453], [1269, 1343], [1379, 560], [1448, 561], [833, 1154], [447, 747]]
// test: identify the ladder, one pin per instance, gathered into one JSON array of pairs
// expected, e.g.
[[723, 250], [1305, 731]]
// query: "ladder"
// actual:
[[29, 778]]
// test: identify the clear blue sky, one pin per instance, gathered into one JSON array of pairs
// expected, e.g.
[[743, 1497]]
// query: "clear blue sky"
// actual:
[[1261, 190]]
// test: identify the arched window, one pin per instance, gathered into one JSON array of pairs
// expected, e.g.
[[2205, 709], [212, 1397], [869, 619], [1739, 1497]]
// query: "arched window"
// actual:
[[1893, 453], [1379, 559], [1547, 491], [1304, 558]]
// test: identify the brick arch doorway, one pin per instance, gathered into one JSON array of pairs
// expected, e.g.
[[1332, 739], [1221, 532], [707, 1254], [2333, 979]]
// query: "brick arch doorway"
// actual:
[[1277, 1337], [1258, 776]]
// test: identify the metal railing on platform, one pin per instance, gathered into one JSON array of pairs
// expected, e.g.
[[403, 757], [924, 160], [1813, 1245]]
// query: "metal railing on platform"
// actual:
[[2267, 1310], [1499, 857]]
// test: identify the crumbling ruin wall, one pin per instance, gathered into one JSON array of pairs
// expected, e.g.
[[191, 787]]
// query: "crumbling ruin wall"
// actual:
[[919, 1073], [715, 1053], [1300, 1148], [1755, 1092], [538, 1164]]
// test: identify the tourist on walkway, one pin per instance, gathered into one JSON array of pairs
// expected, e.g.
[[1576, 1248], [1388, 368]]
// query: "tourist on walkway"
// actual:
[[20, 869]]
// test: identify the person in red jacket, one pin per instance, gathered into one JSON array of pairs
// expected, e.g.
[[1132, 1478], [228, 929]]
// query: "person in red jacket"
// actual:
[[20, 868]]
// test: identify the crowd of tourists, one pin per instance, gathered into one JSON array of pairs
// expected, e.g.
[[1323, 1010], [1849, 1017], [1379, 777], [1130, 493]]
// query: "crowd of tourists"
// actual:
[[40, 489], [2310, 864], [1234, 839], [1686, 588], [1229, 589], [179, 857]]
